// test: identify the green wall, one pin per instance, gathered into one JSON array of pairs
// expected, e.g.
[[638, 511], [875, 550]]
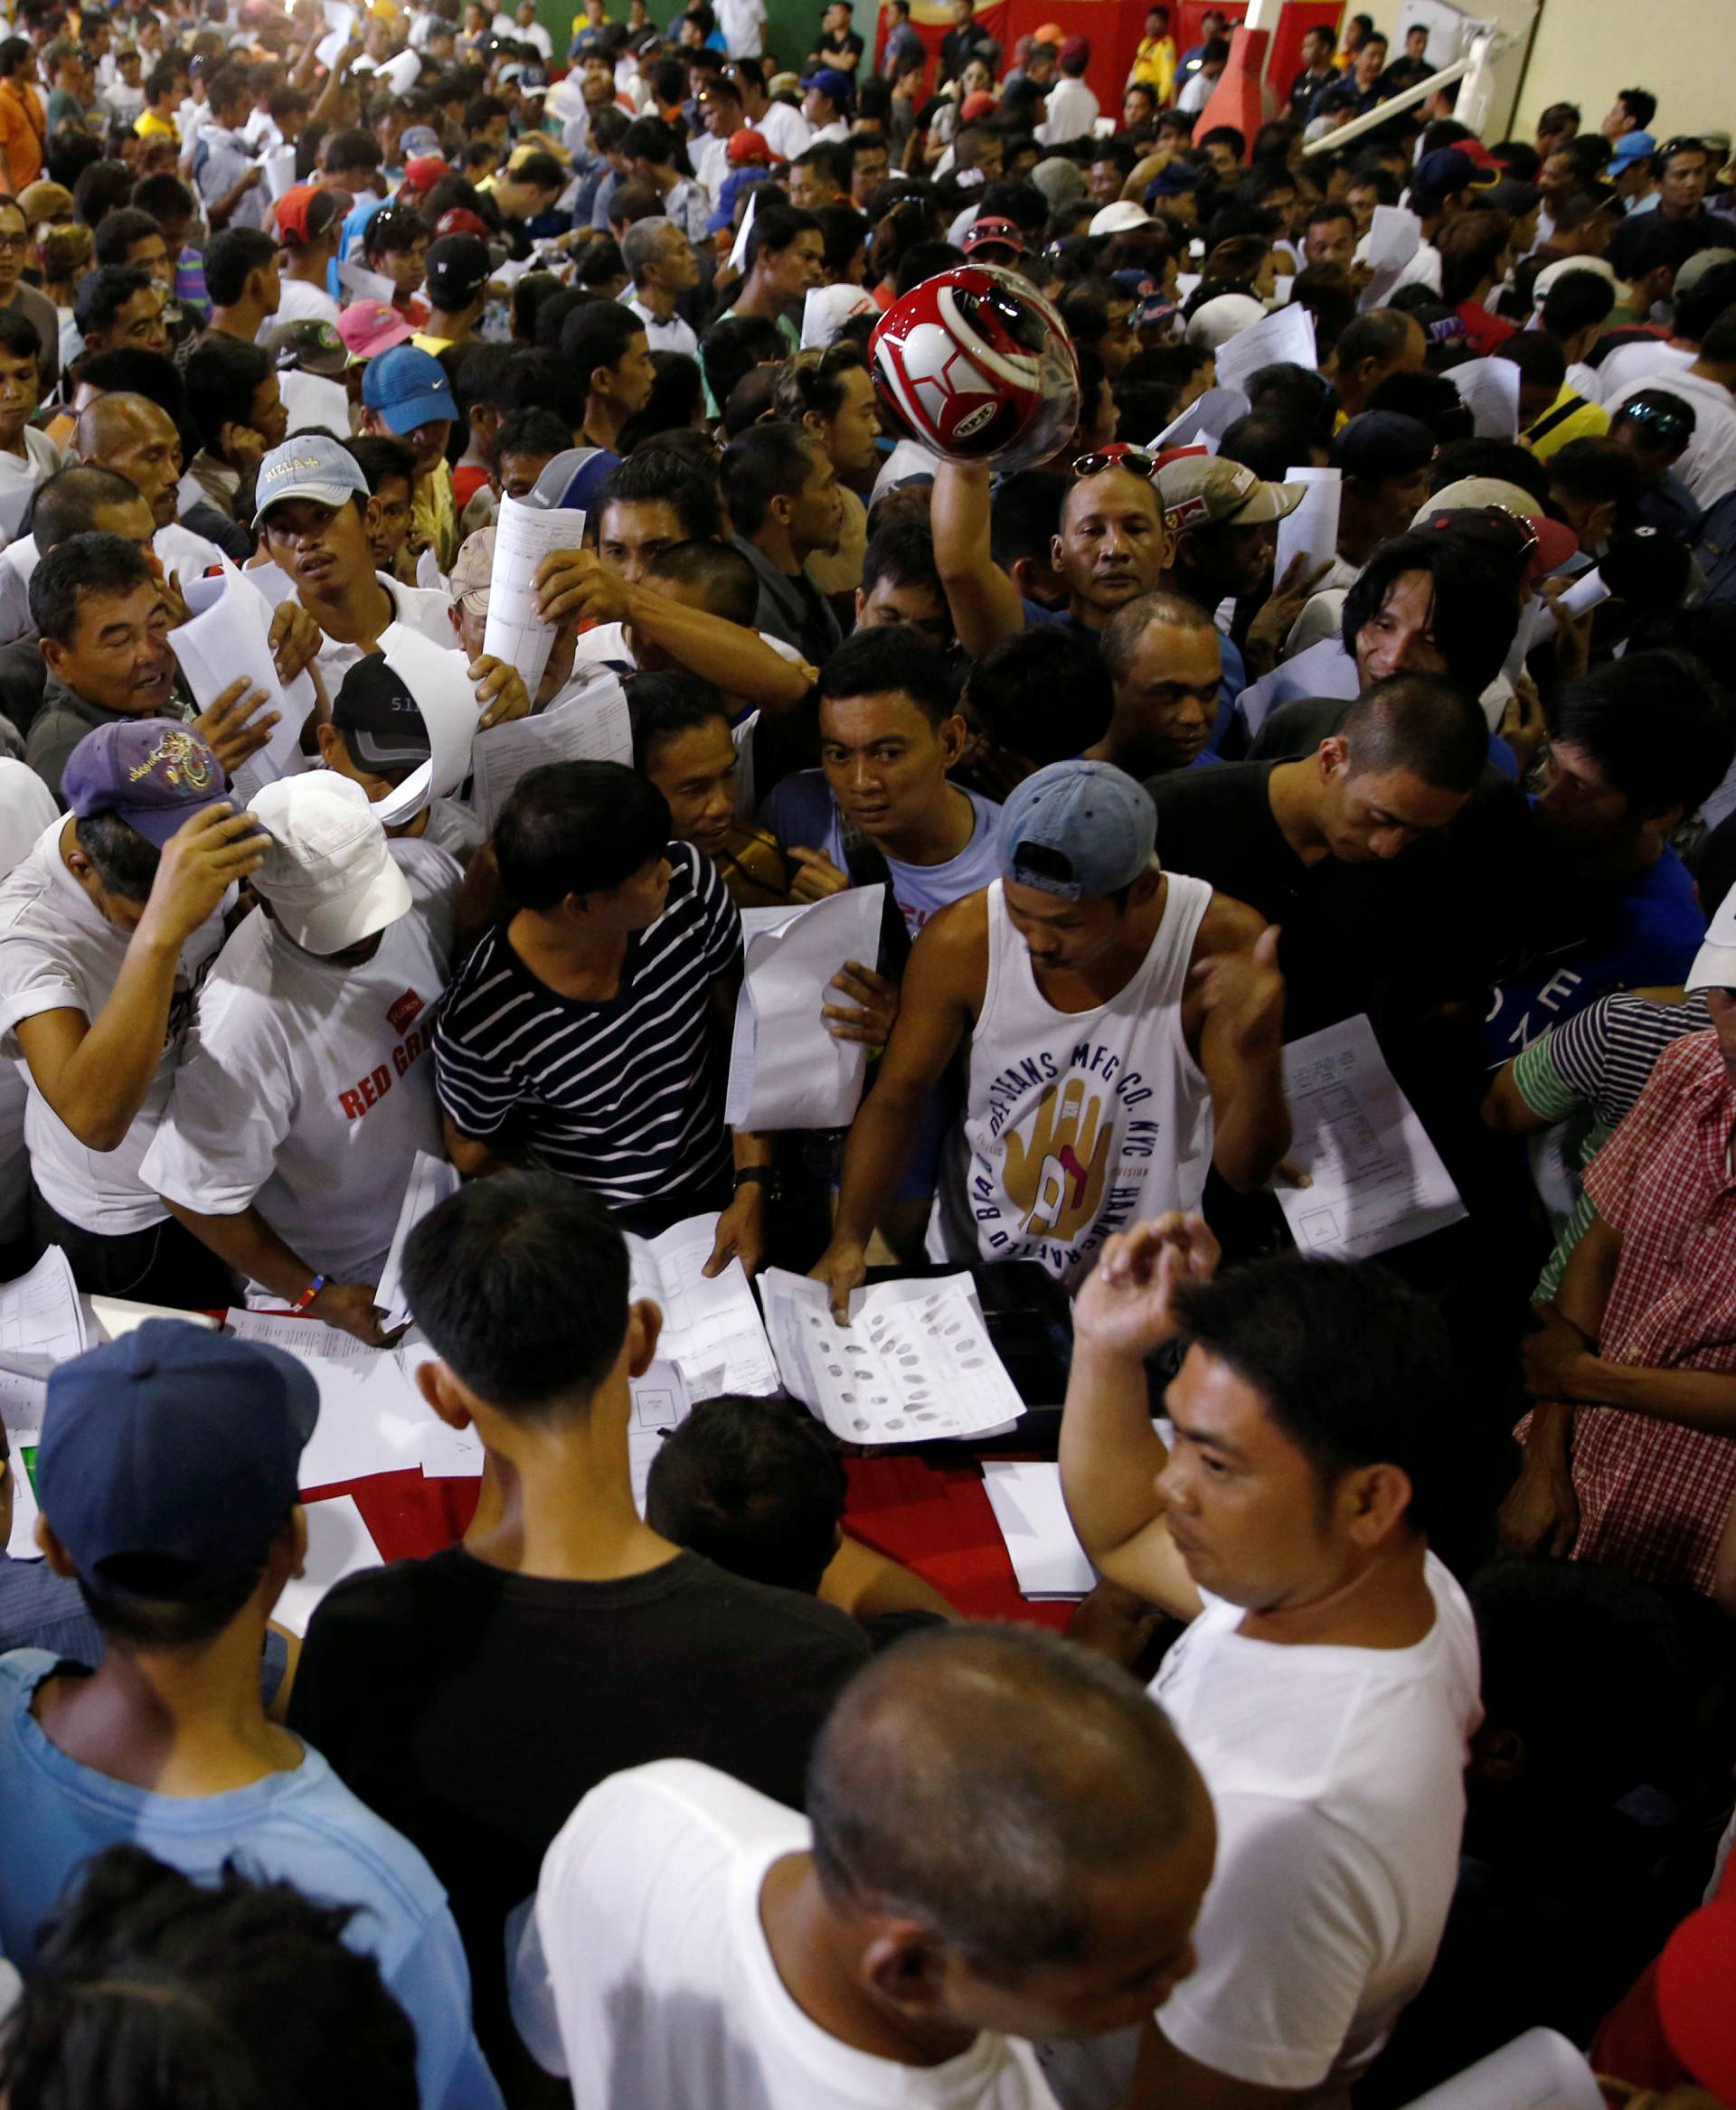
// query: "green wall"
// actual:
[[793, 26]]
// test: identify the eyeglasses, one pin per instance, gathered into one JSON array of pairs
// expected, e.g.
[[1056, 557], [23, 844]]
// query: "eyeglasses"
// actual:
[[14, 241], [1134, 459]]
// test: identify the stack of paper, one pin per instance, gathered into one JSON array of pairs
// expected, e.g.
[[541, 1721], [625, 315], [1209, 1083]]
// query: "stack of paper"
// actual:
[[712, 1329], [42, 1323], [660, 1402], [228, 640], [431, 1180], [1378, 1182], [786, 1070], [525, 535], [914, 1365], [339, 1543], [592, 727], [1041, 1542]]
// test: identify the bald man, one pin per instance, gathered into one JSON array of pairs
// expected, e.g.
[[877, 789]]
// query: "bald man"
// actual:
[[1004, 1841], [136, 439]]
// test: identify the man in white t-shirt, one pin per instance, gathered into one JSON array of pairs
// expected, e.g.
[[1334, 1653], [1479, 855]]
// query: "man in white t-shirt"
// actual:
[[308, 1086], [107, 926], [1004, 1841], [1328, 1683]]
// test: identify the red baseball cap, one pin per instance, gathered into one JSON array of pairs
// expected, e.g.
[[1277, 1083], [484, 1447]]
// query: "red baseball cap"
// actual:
[[992, 233], [460, 220], [306, 211], [368, 327], [749, 148], [980, 105], [424, 172], [1693, 1981]]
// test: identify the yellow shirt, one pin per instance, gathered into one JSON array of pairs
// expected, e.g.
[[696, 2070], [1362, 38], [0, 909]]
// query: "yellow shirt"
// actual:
[[149, 125], [1583, 421], [1155, 64], [424, 343], [433, 513]]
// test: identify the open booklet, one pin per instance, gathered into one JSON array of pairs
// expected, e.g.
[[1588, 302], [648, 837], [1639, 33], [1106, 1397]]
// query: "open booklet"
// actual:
[[914, 1365], [711, 1329]]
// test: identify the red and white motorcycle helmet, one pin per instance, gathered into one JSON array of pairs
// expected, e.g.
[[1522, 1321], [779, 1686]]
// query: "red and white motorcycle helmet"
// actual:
[[977, 364]]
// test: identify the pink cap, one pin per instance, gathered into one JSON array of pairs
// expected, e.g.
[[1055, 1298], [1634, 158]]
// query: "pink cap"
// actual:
[[980, 105], [368, 327]]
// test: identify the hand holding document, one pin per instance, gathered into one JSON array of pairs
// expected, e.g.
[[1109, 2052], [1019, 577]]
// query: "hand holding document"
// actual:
[[436, 677], [915, 1364], [1378, 1181], [523, 535], [372, 1417], [1041, 1542], [786, 1070], [592, 727], [711, 1329]]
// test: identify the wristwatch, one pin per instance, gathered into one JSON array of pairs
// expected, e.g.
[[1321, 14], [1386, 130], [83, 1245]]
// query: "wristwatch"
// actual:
[[764, 1176]]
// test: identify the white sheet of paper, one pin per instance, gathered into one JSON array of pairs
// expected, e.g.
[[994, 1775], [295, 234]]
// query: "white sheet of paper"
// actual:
[[523, 536], [1378, 1180], [40, 1324], [711, 1328], [1489, 390], [1041, 1541], [431, 1180], [1311, 531], [339, 1543], [1283, 337], [1538, 2071], [372, 1418], [438, 678], [106, 1318], [1207, 417], [660, 1400], [786, 1070], [280, 166], [21, 1541], [329, 47], [1587, 592], [314, 400], [739, 248], [915, 1364], [230, 641], [399, 75], [429, 574], [361, 284], [1394, 238], [593, 726]]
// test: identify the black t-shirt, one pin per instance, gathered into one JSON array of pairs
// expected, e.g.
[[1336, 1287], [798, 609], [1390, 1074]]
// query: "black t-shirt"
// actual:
[[473, 1708], [1393, 937], [844, 52]]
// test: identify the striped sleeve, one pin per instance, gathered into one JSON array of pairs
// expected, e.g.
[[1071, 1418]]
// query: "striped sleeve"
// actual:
[[476, 1089]]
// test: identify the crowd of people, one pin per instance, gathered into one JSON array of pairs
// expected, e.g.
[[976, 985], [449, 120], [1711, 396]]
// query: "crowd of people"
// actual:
[[689, 1800]]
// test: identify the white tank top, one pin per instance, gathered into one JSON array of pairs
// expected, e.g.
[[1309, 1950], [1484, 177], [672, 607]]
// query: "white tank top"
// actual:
[[1077, 1124]]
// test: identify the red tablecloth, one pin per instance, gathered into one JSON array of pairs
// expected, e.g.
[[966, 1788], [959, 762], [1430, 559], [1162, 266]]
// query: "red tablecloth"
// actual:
[[937, 1520]]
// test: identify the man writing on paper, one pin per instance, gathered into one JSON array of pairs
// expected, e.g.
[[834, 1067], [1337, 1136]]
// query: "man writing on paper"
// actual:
[[105, 928], [1124, 1026], [308, 1090]]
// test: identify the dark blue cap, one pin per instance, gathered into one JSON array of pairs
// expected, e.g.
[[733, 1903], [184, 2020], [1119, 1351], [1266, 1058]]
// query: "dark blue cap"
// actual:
[[170, 1457]]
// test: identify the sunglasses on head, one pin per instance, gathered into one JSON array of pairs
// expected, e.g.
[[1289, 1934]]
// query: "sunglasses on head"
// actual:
[[1667, 424], [1134, 459]]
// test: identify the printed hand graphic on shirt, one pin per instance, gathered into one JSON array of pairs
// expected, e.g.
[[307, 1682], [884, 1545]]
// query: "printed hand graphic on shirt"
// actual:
[[1057, 1178]]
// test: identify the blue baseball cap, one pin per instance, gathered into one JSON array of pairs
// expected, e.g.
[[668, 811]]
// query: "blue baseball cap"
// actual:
[[313, 465], [170, 1457], [409, 387], [1630, 148], [831, 82], [1094, 827], [153, 773]]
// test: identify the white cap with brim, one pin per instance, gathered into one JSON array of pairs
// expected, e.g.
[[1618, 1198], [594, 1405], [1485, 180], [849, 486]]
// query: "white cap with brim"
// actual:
[[310, 466], [328, 875], [1715, 964]]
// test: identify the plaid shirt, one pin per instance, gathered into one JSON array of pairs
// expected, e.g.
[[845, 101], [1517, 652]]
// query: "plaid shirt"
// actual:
[[1654, 1496]]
